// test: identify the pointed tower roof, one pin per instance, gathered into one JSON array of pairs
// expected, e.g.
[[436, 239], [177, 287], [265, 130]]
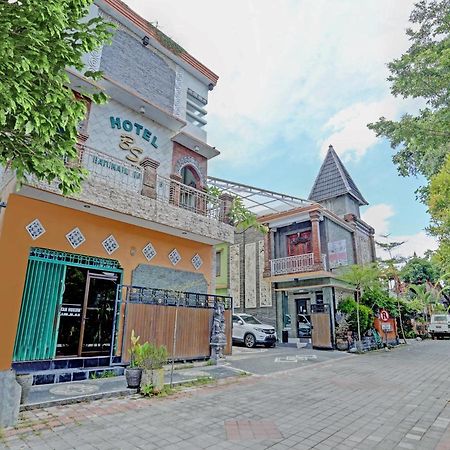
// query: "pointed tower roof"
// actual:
[[334, 180]]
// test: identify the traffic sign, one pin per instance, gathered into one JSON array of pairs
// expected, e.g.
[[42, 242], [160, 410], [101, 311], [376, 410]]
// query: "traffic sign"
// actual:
[[384, 315]]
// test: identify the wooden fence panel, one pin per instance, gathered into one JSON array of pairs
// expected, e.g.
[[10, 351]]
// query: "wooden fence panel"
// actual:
[[155, 323]]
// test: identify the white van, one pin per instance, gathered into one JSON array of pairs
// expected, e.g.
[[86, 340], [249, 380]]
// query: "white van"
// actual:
[[439, 326]]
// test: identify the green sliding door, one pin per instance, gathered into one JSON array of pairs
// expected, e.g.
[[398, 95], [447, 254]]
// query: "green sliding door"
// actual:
[[39, 316]]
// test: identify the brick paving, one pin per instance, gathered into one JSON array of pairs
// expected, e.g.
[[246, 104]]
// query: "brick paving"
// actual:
[[383, 400]]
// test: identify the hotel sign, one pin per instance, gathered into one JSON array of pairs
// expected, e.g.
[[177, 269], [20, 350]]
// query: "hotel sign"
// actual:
[[127, 141]]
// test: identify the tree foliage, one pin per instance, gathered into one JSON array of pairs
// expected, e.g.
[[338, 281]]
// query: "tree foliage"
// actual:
[[422, 140], [439, 203], [419, 271], [39, 114]]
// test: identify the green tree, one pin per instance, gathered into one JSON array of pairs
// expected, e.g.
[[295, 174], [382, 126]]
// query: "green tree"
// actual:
[[39, 113], [425, 297], [439, 209], [419, 271], [362, 278], [422, 140]]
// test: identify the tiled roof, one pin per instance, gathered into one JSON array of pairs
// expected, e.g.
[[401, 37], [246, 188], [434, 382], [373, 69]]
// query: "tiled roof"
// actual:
[[334, 180]]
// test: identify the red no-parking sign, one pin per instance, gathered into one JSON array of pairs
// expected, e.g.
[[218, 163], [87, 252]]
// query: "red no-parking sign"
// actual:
[[384, 315]]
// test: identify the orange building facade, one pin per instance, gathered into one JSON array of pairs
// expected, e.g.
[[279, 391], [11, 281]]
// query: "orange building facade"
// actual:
[[143, 217]]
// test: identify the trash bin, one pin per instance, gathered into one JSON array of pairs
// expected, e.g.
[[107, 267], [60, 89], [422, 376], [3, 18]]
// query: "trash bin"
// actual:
[[284, 336]]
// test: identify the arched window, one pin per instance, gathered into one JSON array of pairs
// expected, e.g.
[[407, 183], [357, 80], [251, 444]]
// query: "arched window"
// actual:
[[188, 177]]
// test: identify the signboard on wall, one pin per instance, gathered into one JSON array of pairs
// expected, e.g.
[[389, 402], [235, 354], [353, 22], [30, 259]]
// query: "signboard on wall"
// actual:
[[337, 253]]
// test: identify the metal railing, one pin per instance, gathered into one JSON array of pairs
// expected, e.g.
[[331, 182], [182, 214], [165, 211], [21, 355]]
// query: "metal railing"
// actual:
[[186, 197], [292, 264], [165, 297]]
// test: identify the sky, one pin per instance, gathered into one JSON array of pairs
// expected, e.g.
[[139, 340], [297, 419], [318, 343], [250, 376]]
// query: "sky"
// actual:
[[294, 77]]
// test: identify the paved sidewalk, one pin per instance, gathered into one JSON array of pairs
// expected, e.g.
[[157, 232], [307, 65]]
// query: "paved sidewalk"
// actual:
[[383, 400], [64, 393]]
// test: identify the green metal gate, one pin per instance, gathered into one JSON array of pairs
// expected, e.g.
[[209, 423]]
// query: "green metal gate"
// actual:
[[38, 323], [37, 332]]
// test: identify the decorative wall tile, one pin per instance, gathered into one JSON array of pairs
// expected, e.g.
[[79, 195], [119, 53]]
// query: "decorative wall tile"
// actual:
[[149, 251], [75, 237], [110, 244], [35, 229], [174, 257], [197, 262]]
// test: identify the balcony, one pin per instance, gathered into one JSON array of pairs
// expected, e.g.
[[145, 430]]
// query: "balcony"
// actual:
[[138, 195], [296, 264]]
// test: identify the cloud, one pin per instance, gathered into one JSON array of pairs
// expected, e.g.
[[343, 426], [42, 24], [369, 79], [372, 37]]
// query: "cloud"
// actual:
[[350, 136], [284, 70], [378, 217], [417, 243]]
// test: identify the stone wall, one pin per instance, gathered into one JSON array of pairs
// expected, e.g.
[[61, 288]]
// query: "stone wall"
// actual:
[[100, 193], [127, 61], [246, 279], [146, 275]]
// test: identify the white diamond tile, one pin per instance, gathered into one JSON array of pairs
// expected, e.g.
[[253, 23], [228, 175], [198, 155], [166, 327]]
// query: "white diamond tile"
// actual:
[[75, 237], [35, 229], [110, 244], [174, 257], [197, 262], [149, 251]]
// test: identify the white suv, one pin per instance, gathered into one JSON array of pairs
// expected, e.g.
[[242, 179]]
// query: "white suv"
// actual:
[[251, 331]]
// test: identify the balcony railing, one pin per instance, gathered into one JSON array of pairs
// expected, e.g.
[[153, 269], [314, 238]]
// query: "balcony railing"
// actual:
[[296, 264], [186, 197]]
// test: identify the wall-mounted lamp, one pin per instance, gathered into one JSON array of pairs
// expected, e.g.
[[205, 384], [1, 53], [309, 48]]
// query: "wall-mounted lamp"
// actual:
[[142, 110], [210, 86], [145, 41], [197, 148]]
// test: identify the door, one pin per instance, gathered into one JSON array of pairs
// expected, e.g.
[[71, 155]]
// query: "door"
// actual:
[[303, 317], [39, 318], [97, 315], [299, 243], [86, 313], [321, 326]]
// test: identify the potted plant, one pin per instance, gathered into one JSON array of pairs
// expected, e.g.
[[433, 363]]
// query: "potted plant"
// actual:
[[153, 358], [133, 373]]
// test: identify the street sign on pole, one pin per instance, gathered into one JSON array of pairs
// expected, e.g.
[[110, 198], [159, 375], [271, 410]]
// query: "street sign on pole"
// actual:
[[384, 315]]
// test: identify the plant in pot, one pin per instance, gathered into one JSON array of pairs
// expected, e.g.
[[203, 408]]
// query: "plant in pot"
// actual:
[[153, 358], [133, 373]]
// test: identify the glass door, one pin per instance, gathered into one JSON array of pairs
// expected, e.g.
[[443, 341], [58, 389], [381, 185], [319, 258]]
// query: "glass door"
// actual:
[[97, 315]]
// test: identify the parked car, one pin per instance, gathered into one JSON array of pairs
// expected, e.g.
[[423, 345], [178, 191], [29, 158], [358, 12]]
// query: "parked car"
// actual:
[[439, 326], [304, 326], [250, 331]]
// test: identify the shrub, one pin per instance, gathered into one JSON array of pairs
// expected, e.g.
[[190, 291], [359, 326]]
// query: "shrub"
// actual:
[[348, 306]]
